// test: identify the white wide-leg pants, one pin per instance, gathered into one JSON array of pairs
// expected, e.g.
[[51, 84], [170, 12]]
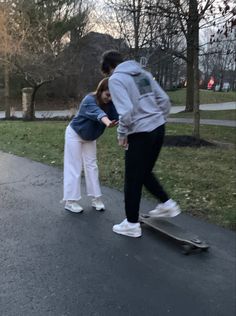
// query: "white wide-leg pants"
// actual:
[[79, 154]]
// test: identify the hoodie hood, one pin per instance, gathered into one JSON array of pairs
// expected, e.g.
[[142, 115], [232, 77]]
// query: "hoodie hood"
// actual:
[[130, 67]]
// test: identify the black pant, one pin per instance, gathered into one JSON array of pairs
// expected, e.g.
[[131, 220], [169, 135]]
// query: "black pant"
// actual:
[[140, 159]]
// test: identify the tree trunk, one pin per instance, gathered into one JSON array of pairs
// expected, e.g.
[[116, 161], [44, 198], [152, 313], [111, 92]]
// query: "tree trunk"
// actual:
[[171, 75], [136, 17], [190, 77], [32, 103], [192, 95], [31, 113], [196, 125], [7, 89], [190, 64], [195, 34]]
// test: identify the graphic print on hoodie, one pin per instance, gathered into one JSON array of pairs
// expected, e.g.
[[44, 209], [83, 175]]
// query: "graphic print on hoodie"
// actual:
[[143, 83]]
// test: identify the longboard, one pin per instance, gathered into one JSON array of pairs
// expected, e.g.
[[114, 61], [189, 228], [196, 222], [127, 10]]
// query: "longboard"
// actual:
[[188, 240]]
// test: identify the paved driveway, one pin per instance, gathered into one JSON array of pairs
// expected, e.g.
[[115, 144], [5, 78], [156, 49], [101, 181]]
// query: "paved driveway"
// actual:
[[56, 263]]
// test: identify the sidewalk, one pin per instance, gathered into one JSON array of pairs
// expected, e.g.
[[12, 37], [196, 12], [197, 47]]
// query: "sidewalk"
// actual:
[[208, 107], [230, 123], [174, 109], [54, 263]]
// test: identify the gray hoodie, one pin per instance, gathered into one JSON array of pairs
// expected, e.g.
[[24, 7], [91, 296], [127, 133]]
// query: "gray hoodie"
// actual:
[[141, 103]]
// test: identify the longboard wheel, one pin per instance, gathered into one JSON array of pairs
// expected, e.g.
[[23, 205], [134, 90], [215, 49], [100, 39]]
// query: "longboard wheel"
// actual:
[[196, 240], [187, 249]]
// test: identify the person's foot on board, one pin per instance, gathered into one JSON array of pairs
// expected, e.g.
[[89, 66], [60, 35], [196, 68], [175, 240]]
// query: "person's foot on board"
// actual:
[[168, 209]]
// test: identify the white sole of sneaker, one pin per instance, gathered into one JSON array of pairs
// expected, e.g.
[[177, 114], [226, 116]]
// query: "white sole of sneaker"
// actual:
[[99, 209], [70, 210], [173, 214], [128, 234]]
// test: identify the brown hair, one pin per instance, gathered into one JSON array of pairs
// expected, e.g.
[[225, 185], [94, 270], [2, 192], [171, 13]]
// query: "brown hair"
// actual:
[[102, 86], [110, 59]]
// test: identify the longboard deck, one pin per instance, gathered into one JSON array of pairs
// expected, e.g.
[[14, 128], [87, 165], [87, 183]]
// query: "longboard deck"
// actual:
[[175, 232]]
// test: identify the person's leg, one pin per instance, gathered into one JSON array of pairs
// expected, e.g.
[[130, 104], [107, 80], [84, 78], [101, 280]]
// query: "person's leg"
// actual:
[[135, 170], [153, 185], [136, 158], [167, 207], [140, 158], [91, 168], [72, 166], [92, 174], [151, 182]]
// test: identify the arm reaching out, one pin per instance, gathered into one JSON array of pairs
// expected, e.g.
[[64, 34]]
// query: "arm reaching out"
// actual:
[[108, 122]]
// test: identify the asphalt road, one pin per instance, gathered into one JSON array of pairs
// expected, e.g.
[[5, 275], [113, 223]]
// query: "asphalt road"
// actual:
[[56, 263]]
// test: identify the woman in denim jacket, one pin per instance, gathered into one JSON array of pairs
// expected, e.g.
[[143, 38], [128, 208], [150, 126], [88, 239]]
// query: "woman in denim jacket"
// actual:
[[96, 112]]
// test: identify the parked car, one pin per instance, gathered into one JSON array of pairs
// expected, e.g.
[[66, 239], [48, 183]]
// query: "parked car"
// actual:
[[217, 87], [226, 86]]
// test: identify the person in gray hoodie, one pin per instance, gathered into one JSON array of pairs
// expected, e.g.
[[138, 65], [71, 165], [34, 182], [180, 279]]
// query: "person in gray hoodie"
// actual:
[[143, 107]]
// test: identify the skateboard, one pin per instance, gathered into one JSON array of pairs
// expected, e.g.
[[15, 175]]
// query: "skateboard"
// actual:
[[187, 240]]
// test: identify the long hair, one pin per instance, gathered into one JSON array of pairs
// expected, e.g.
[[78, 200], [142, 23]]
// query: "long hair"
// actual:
[[102, 86]]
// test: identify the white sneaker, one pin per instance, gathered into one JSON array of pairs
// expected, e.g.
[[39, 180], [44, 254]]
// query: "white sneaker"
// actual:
[[73, 206], [98, 204], [128, 229], [168, 209]]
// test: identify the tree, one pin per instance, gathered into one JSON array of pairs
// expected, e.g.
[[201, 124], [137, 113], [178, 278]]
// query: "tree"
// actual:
[[219, 55], [187, 17], [193, 15], [164, 43], [48, 27], [5, 49], [129, 17], [147, 33], [11, 44]]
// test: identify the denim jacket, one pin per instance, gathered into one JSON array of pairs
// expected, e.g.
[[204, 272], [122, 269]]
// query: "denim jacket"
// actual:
[[87, 121]]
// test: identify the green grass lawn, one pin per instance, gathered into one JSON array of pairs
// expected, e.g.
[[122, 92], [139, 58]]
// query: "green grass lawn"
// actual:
[[206, 96], [202, 179], [213, 115]]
